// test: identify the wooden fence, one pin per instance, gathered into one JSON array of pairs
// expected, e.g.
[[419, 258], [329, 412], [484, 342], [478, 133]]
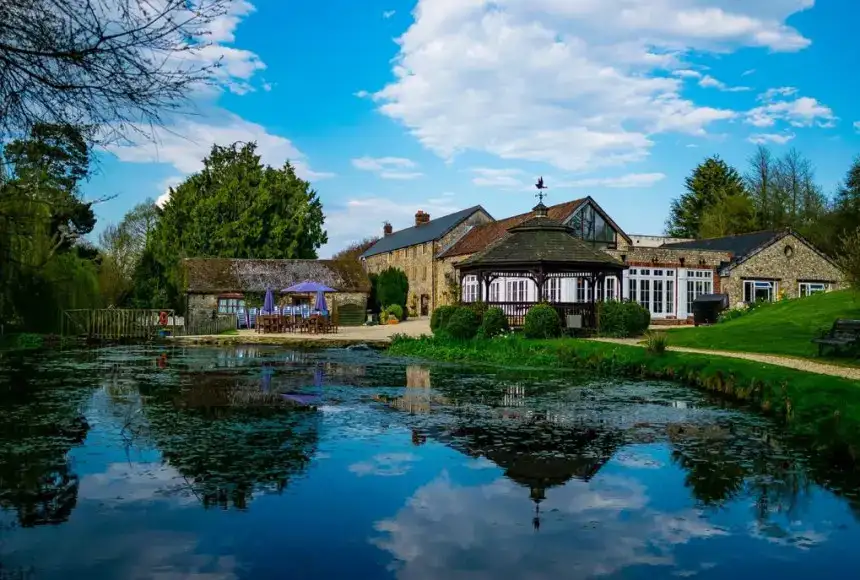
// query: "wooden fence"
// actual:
[[200, 325], [119, 324]]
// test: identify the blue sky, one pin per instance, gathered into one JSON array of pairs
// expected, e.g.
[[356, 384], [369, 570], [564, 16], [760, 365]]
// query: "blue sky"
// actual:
[[390, 106]]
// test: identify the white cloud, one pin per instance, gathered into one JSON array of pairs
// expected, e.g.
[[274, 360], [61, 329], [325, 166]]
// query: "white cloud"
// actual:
[[500, 178], [799, 112], [708, 81], [361, 217], [450, 530], [388, 14], [388, 167], [857, 126], [362, 94], [687, 74], [186, 142], [575, 84], [764, 138], [624, 181], [771, 94], [748, 72], [385, 464]]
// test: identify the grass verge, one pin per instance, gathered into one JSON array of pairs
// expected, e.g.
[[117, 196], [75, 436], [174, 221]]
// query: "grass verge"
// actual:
[[822, 411], [783, 328]]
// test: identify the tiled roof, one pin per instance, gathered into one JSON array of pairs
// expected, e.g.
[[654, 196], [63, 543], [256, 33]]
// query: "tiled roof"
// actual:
[[739, 245], [432, 230], [540, 240], [219, 275], [481, 236]]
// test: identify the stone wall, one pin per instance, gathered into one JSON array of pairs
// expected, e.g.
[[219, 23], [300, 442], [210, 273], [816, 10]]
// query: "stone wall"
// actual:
[[420, 266], [671, 258], [788, 267]]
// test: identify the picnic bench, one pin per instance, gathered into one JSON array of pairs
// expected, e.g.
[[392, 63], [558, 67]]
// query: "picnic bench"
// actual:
[[845, 333]]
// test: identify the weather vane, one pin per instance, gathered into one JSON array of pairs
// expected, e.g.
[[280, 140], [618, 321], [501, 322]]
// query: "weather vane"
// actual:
[[540, 186]]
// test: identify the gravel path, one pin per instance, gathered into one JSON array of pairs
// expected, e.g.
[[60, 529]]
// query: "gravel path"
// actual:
[[800, 364]]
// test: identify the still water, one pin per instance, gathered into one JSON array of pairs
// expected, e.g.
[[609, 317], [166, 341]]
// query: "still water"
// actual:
[[263, 463]]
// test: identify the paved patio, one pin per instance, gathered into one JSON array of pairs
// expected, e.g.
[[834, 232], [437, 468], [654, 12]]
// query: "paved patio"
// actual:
[[346, 335]]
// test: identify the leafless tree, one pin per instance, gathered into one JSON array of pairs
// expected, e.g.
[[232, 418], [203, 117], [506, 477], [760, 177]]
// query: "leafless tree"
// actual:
[[114, 65]]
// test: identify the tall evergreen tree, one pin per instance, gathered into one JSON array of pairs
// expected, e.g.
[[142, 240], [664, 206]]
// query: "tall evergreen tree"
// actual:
[[236, 207], [709, 183]]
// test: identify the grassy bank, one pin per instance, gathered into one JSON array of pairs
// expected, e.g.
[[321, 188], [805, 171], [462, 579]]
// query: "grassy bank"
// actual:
[[822, 410], [784, 328]]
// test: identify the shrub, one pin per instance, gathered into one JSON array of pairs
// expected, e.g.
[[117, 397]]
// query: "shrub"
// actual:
[[392, 287], [440, 316], [622, 319], [495, 323], [479, 308], [656, 342], [542, 321], [463, 324], [394, 310]]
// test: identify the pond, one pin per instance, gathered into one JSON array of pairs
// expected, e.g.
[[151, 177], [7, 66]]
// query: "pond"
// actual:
[[147, 462]]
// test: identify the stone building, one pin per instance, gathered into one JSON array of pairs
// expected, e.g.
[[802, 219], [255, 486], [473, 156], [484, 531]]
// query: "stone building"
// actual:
[[414, 251], [228, 285], [664, 275]]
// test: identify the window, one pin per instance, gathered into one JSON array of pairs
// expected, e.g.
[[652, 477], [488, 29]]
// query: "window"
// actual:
[[424, 273], [230, 305], [759, 291], [645, 293], [698, 282], [470, 289], [810, 288], [517, 291], [670, 295], [495, 288], [631, 286], [610, 288], [590, 226], [552, 290], [580, 289], [658, 294]]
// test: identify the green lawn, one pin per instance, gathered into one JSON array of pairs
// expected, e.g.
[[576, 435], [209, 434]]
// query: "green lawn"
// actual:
[[784, 328]]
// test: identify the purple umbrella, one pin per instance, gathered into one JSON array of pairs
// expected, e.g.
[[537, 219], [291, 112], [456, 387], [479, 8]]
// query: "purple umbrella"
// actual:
[[308, 287], [269, 302], [320, 304]]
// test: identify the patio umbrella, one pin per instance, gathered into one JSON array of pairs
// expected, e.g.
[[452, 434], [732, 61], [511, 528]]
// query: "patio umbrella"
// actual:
[[308, 287], [320, 303], [269, 302]]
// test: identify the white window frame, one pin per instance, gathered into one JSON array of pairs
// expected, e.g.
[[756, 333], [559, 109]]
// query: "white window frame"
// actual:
[[495, 291], [609, 284], [751, 286], [552, 290], [654, 289], [517, 291], [470, 289], [699, 282], [809, 288]]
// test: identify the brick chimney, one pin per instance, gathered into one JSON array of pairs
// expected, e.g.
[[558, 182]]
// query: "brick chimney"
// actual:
[[387, 230], [421, 217]]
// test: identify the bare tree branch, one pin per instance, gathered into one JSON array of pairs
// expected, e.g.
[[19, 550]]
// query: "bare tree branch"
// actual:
[[117, 65]]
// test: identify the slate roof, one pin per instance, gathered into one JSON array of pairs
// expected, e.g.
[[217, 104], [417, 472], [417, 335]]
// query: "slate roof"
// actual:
[[432, 230], [739, 245], [481, 236], [221, 275], [541, 239]]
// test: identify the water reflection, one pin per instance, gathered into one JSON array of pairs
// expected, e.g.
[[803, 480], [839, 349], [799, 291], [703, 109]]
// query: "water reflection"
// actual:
[[334, 464]]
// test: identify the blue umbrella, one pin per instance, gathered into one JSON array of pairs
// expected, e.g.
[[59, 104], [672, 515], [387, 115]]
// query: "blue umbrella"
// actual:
[[269, 302], [320, 304], [307, 287]]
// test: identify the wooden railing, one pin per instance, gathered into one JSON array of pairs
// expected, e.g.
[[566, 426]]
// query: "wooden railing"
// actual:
[[516, 312], [203, 325], [117, 323]]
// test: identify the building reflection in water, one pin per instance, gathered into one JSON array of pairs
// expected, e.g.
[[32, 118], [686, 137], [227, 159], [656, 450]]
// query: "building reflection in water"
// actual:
[[419, 397]]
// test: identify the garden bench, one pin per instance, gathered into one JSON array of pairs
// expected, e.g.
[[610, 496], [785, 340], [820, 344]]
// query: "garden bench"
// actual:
[[844, 333]]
